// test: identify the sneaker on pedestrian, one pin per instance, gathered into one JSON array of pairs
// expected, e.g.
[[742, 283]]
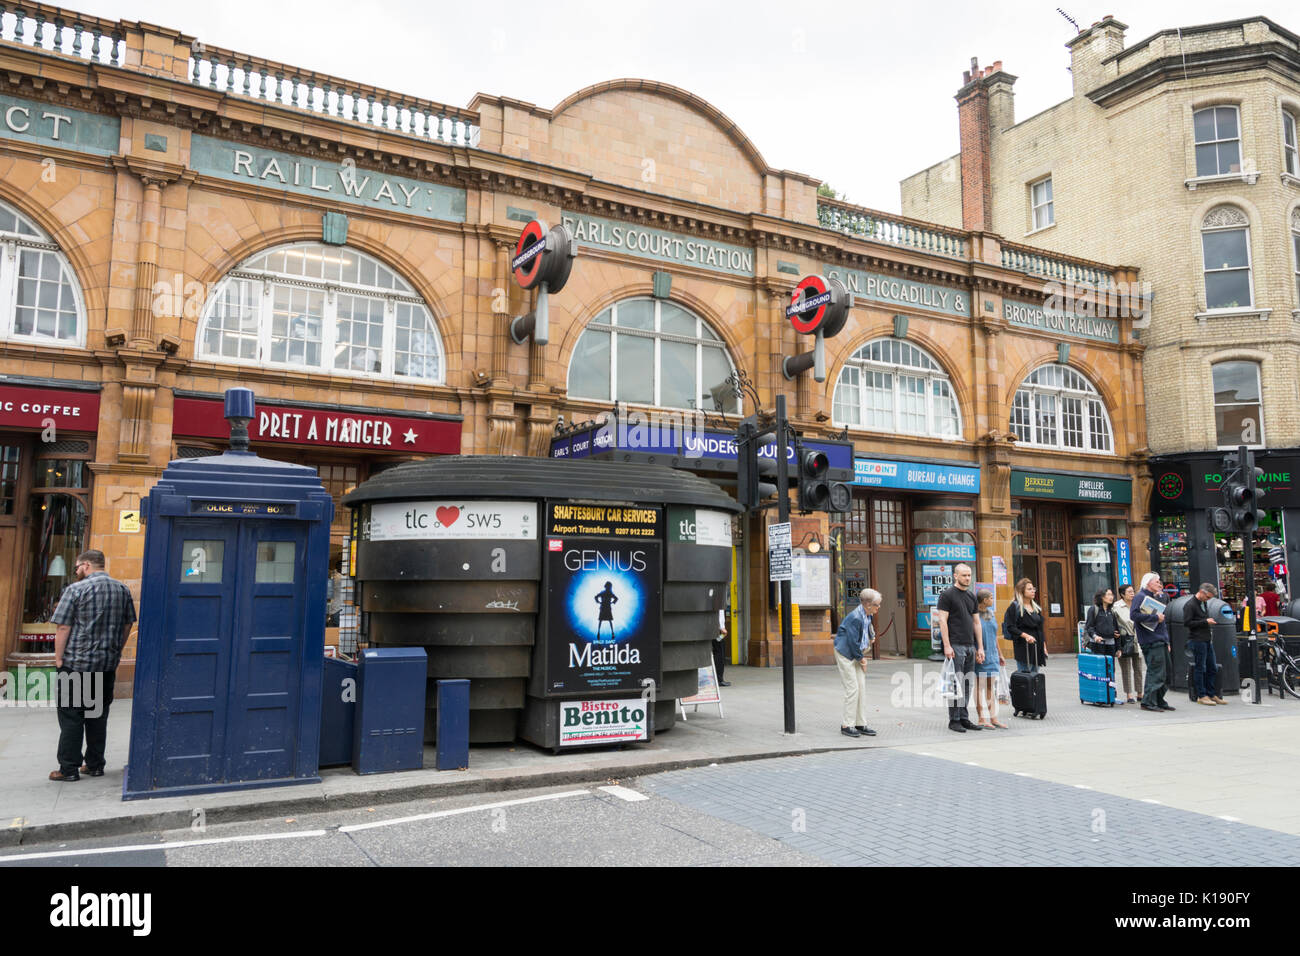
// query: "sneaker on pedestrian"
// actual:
[[849, 732]]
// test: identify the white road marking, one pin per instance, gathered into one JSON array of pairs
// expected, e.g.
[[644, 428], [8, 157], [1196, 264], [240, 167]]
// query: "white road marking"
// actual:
[[254, 838], [1021, 773], [452, 813], [1229, 819], [1081, 786], [1149, 800], [623, 793]]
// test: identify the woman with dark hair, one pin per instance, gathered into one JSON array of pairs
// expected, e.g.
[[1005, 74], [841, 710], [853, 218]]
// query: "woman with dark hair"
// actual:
[[1131, 667], [1100, 625], [1023, 626]]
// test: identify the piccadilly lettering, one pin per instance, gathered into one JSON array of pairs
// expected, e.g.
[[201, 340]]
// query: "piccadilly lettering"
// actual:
[[882, 288]]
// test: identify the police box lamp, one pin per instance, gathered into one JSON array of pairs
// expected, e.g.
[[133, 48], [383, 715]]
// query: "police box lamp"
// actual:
[[239, 412], [819, 306], [543, 260]]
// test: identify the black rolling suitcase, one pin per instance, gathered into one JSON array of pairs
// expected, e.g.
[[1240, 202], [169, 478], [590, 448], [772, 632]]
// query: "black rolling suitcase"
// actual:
[[1029, 694]]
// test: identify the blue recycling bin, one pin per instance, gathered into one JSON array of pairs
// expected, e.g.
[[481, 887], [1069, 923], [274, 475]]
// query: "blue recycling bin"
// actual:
[[232, 625], [388, 733], [338, 708]]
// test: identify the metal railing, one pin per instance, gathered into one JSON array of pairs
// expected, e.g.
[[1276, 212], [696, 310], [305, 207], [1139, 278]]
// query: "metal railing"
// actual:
[[892, 230]]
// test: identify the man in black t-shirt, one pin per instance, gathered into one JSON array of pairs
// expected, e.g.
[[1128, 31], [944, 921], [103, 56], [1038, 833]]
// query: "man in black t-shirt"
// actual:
[[956, 612]]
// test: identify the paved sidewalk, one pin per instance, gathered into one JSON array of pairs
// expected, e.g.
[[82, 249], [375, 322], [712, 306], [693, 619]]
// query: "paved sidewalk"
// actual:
[[904, 709]]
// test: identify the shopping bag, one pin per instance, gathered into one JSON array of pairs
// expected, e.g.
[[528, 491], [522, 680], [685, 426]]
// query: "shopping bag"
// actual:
[[949, 687], [1003, 685]]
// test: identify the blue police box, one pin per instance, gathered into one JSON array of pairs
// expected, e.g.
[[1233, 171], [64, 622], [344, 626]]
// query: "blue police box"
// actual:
[[230, 647]]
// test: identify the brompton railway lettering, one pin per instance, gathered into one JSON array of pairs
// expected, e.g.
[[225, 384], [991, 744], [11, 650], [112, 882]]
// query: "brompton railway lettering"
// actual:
[[351, 182], [1028, 316]]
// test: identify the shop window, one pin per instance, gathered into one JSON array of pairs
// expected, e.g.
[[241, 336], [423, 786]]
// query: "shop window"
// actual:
[[10, 460], [58, 535], [887, 515], [1238, 413], [325, 309], [858, 524], [1290, 150], [39, 298], [1218, 141], [338, 480], [1052, 530], [1056, 407], [1225, 248], [893, 386], [651, 352], [1040, 201]]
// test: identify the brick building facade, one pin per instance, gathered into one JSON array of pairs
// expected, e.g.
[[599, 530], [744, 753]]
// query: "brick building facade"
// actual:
[[177, 219], [1177, 154]]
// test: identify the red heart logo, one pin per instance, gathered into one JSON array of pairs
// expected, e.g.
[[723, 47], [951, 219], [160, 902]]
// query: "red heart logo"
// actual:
[[447, 516]]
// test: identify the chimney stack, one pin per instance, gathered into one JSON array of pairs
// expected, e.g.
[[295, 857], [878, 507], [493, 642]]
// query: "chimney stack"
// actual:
[[1088, 51], [985, 107]]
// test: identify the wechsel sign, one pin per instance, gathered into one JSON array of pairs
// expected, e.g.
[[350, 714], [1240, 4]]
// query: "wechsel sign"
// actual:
[[1071, 487], [892, 290], [322, 179], [1026, 315], [675, 248]]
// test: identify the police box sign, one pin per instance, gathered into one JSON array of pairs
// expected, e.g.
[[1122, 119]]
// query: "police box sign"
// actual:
[[603, 721]]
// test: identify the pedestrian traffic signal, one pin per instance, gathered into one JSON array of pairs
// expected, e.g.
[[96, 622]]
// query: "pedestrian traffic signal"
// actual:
[[755, 473], [816, 492], [1241, 492]]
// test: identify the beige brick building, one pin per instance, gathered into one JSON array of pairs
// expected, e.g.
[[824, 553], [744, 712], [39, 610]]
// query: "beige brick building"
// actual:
[[1177, 155], [177, 219]]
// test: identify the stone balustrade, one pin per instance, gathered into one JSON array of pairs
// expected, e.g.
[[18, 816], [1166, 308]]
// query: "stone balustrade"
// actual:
[[1036, 262], [892, 230], [65, 32]]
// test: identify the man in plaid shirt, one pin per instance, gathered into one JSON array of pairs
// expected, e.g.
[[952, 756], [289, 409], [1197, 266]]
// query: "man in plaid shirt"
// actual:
[[94, 616]]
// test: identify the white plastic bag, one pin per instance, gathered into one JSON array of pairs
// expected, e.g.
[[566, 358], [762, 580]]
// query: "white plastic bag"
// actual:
[[949, 687]]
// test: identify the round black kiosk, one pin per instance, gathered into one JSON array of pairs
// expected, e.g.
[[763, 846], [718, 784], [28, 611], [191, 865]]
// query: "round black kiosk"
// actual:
[[579, 598]]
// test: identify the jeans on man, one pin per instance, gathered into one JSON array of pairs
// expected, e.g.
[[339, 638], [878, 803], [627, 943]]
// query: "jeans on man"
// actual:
[[1159, 666], [83, 700], [963, 659], [1204, 668]]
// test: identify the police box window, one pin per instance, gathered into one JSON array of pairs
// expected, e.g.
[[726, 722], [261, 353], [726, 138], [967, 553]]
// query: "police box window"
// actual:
[[1238, 413]]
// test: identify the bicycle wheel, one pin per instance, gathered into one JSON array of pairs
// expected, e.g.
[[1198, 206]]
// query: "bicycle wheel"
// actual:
[[1291, 680]]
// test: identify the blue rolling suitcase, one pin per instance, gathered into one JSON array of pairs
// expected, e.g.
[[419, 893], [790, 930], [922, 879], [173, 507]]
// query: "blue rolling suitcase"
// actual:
[[1097, 679]]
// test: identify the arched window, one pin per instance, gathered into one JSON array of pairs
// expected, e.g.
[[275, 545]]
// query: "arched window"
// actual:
[[323, 309], [39, 298], [1225, 244], [1056, 407], [651, 352], [891, 386]]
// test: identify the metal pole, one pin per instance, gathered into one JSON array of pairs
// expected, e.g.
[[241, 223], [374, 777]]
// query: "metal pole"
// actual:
[[1246, 462], [783, 515]]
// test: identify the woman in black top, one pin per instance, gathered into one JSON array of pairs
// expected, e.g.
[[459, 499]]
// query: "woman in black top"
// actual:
[[1100, 625], [1023, 626]]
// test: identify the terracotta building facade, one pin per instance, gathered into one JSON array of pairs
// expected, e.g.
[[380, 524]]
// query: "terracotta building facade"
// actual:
[[178, 219]]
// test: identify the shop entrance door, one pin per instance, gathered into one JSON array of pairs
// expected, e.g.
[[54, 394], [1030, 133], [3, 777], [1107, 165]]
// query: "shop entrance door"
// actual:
[[13, 506], [891, 620], [1041, 554]]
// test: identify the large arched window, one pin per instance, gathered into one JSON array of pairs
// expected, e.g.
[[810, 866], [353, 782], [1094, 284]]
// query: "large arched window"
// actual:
[[39, 298], [323, 309], [1225, 245], [651, 352], [1056, 407], [891, 386]]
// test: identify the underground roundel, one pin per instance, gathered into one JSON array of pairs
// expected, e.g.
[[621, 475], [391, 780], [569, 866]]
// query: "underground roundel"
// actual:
[[530, 252], [818, 304]]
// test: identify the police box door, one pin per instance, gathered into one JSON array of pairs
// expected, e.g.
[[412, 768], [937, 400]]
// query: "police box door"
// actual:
[[228, 696]]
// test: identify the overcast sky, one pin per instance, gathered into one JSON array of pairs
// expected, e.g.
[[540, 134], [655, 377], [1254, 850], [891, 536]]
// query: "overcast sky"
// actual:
[[859, 95]]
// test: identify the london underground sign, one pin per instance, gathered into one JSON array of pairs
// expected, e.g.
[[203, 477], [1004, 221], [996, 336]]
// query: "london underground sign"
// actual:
[[543, 260], [818, 304]]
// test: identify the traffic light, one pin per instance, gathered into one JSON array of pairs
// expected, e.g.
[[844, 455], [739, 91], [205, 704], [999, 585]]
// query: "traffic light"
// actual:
[[816, 492], [755, 474], [1241, 493]]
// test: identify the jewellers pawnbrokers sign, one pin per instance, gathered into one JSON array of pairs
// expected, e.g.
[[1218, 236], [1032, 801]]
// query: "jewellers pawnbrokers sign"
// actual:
[[670, 247], [337, 428], [322, 179], [1071, 487], [1041, 318]]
